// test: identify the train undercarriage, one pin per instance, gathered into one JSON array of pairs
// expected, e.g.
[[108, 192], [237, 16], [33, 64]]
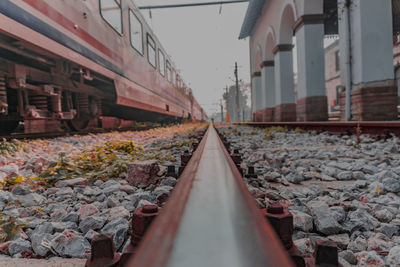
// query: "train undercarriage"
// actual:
[[43, 93]]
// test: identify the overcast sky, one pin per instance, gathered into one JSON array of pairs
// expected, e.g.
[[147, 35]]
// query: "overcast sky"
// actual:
[[203, 44]]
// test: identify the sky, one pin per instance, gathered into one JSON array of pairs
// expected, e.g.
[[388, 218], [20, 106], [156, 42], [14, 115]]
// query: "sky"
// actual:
[[204, 45]]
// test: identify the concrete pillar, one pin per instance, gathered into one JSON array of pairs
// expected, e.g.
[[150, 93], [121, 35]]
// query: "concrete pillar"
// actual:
[[253, 98], [311, 104], [374, 92], [256, 88], [285, 107], [268, 90]]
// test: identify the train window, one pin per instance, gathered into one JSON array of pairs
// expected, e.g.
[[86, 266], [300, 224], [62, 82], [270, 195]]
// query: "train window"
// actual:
[[151, 50], [173, 77], [169, 72], [136, 32], [111, 12], [161, 60]]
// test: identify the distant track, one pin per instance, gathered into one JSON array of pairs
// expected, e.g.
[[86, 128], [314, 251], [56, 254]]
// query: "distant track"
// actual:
[[380, 128]]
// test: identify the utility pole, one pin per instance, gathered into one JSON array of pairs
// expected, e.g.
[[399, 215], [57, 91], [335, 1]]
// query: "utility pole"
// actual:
[[237, 92], [222, 110], [348, 55]]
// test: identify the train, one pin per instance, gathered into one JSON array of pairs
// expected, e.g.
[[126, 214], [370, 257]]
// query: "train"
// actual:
[[78, 64]]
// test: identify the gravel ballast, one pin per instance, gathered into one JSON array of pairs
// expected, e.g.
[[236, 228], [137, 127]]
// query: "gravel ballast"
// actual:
[[337, 189], [57, 194]]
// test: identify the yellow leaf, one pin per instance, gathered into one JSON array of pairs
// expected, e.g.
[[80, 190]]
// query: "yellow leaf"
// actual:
[[378, 191], [18, 179]]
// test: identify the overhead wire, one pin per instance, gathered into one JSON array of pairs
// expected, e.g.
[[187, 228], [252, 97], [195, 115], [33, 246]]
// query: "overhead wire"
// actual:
[[194, 4]]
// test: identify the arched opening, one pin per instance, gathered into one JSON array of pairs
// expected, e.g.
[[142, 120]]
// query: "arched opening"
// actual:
[[285, 109], [269, 47], [268, 78], [288, 37], [286, 25]]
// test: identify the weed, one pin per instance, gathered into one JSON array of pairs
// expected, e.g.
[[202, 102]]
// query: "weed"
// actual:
[[299, 130], [11, 147]]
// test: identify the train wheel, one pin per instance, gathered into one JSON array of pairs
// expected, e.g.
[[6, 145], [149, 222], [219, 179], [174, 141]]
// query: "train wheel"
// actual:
[[82, 104], [7, 127], [79, 123]]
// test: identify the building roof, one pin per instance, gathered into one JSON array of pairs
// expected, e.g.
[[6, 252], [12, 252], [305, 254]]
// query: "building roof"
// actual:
[[330, 9], [252, 14], [255, 8]]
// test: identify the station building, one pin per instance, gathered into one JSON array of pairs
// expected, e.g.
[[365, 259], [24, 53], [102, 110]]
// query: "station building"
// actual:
[[363, 62], [235, 115], [333, 81]]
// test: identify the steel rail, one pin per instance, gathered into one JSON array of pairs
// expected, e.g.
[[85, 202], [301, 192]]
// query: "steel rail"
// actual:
[[366, 127], [210, 219], [50, 135]]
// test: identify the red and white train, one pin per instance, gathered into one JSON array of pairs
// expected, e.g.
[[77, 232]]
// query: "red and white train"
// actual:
[[85, 63]]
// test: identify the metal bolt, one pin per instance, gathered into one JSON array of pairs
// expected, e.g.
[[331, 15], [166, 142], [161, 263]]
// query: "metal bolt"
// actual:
[[250, 172], [149, 209], [298, 260], [171, 171], [237, 159], [194, 146], [275, 209], [102, 252], [326, 253], [241, 170], [141, 220], [227, 145], [185, 157], [282, 222]]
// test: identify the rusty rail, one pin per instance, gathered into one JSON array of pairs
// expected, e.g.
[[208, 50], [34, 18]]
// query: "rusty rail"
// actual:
[[186, 222], [378, 128], [50, 135]]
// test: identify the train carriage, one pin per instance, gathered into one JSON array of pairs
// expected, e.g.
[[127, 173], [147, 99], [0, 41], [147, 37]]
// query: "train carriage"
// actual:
[[85, 63]]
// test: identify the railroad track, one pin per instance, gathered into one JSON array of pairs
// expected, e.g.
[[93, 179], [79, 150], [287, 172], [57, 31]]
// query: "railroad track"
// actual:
[[210, 219], [49, 135], [376, 128]]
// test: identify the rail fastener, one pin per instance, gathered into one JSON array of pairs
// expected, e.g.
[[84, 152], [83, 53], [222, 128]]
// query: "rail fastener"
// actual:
[[227, 145], [171, 171], [103, 252], [141, 221], [250, 172], [282, 222], [236, 157], [326, 253], [185, 157], [281, 219], [194, 146]]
